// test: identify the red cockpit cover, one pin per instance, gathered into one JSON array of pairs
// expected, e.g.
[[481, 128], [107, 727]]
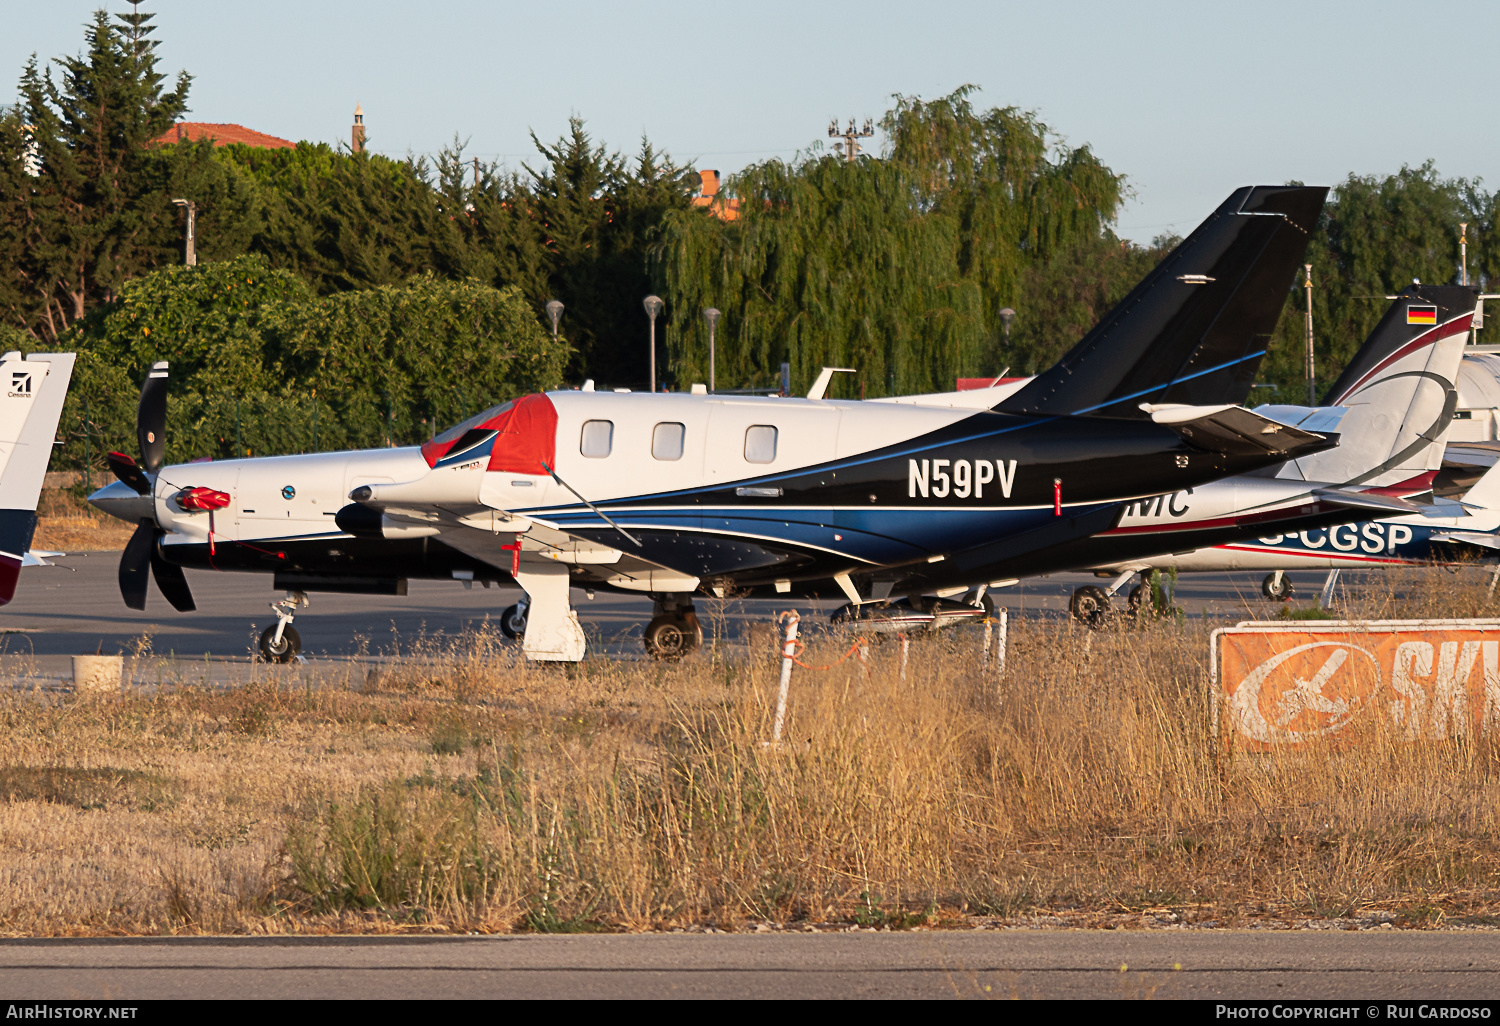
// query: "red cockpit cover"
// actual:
[[528, 436]]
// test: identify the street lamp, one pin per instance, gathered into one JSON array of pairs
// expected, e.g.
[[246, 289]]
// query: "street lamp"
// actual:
[[554, 311], [1006, 316], [653, 305], [712, 317], [190, 251]]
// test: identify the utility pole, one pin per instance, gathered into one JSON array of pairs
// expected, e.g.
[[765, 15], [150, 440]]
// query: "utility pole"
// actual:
[[653, 305], [190, 252], [1463, 249], [850, 147], [1311, 369], [476, 174]]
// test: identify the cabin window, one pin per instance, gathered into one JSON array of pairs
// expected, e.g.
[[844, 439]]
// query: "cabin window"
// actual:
[[666, 441], [598, 438], [760, 444]]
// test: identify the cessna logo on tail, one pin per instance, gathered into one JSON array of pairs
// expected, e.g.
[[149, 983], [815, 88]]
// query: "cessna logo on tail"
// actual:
[[20, 384], [959, 478]]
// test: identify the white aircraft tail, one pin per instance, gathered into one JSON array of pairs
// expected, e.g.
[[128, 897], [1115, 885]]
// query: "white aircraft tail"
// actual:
[[31, 401], [1399, 391]]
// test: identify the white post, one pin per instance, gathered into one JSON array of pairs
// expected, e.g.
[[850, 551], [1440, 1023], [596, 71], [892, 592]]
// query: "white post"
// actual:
[[788, 651], [905, 648], [1494, 579], [1004, 617], [984, 649]]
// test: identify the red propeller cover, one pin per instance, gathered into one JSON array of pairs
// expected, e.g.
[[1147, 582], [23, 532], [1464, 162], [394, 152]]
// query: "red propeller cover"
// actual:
[[202, 499]]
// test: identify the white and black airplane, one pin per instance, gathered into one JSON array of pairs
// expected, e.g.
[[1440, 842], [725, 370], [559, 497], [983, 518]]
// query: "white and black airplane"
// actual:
[[677, 494]]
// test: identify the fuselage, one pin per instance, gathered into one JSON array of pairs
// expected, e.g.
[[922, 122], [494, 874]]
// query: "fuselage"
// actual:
[[741, 489]]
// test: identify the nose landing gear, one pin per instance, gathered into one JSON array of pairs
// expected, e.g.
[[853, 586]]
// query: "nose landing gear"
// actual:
[[280, 643]]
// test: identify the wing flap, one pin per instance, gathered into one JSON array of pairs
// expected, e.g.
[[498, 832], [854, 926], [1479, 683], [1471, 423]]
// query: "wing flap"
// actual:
[[1235, 431]]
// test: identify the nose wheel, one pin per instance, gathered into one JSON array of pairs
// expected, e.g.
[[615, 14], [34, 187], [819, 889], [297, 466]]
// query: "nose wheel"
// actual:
[[280, 642]]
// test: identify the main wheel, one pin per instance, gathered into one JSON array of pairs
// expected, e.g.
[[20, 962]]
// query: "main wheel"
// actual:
[[513, 622], [284, 651], [669, 638], [1270, 589], [1134, 598], [1090, 606]]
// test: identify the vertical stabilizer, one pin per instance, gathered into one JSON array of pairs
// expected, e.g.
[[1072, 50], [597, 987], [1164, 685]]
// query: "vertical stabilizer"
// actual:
[[31, 402], [1400, 390], [1195, 330]]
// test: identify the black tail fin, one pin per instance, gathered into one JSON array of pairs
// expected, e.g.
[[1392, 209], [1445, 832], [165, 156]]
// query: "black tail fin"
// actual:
[[1195, 330], [1407, 324]]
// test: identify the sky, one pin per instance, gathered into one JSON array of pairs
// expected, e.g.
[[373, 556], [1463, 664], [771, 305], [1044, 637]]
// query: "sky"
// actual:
[[1189, 101]]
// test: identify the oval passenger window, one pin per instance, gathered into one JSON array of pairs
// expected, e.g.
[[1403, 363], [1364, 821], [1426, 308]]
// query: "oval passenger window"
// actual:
[[598, 438], [666, 441], [760, 444]]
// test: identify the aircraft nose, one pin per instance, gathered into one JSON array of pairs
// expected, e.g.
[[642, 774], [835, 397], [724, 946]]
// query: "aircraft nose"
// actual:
[[120, 500]]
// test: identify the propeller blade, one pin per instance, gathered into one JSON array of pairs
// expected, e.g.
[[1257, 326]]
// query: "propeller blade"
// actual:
[[151, 418], [127, 470], [135, 562], [172, 582]]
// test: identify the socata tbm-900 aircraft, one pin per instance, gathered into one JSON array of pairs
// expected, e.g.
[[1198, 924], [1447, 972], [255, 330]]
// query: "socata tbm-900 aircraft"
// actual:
[[670, 494]]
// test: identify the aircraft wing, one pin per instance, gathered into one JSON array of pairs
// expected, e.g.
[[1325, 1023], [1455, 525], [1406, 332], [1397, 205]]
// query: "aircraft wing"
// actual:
[[592, 562], [1234, 430], [1391, 505]]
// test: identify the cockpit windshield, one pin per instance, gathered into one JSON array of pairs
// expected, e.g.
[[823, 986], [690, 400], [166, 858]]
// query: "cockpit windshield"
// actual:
[[456, 432]]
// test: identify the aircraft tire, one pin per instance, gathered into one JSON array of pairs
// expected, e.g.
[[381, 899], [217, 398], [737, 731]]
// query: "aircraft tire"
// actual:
[[513, 622], [1134, 598], [669, 638], [291, 644], [1090, 606], [1270, 591]]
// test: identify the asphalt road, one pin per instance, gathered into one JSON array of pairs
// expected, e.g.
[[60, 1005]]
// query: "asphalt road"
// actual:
[[75, 607], [1364, 967]]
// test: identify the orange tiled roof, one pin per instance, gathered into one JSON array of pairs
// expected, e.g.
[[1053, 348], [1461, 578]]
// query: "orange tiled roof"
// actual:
[[222, 135]]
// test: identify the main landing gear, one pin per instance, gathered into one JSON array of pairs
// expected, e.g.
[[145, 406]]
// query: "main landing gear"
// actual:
[[674, 631], [1277, 587], [280, 642]]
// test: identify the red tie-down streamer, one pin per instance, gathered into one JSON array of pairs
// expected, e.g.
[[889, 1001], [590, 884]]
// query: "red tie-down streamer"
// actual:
[[203, 500]]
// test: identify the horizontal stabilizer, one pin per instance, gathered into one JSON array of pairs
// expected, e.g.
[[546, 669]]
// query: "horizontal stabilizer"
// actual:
[[1235, 431], [1478, 538], [1390, 505]]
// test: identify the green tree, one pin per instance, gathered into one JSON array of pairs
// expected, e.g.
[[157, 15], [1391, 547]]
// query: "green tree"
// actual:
[[897, 267]]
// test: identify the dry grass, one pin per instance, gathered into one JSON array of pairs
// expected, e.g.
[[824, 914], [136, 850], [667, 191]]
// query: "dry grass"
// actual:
[[66, 523], [466, 791]]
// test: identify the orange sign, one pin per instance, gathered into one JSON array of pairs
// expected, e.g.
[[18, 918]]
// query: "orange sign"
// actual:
[[1279, 683]]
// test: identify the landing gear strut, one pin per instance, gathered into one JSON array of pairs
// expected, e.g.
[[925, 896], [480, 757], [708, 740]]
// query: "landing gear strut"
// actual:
[[674, 631], [280, 643]]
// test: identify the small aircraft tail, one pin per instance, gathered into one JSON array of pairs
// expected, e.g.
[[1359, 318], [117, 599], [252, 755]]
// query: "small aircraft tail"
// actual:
[[31, 401], [1399, 391], [1195, 330]]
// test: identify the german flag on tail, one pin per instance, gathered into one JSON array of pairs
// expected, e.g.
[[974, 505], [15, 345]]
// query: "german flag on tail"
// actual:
[[1421, 314]]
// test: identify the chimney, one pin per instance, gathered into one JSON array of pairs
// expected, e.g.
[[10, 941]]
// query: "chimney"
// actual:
[[357, 133], [710, 186]]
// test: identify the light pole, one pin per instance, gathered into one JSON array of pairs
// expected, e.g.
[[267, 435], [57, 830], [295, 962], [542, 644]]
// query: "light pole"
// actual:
[[554, 311], [1006, 316], [653, 305], [190, 251], [1463, 248], [712, 317], [1311, 369]]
